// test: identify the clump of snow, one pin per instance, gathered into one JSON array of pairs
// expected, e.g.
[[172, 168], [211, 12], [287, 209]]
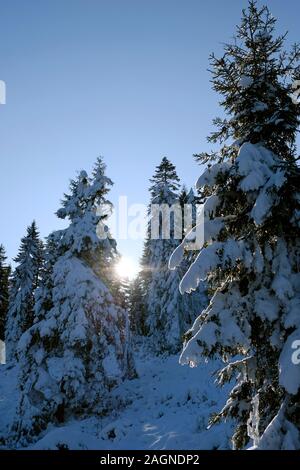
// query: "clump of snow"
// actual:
[[208, 178], [207, 259], [258, 167], [280, 434], [245, 81], [2, 352], [259, 106], [176, 257]]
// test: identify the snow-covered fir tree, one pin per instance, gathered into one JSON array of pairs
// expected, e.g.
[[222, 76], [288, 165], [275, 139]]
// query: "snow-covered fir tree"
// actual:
[[122, 292], [119, 285], [79, 347], [24, 282], [4, 290], [189, 202], [251, 251], [167, 313], [136, 307], [43, 295]]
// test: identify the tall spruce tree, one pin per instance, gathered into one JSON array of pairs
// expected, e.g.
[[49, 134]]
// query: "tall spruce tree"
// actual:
[[189, 202], [167, 313], [79, 347], [4, 291], [136, 307], [24, 282], [256, 78], [251, 250]]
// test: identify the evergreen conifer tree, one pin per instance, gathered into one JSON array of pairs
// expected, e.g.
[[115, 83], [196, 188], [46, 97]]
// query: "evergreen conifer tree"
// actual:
[[79, 347], [167, 313], [24, 282], [4, 291], [251, 249], [136, 307]]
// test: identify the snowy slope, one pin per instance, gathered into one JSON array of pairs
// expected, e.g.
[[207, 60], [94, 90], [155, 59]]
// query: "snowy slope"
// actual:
[[166, 407], [8, 398]]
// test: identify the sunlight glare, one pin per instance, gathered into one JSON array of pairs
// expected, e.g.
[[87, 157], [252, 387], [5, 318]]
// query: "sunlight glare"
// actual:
[[127, 268]]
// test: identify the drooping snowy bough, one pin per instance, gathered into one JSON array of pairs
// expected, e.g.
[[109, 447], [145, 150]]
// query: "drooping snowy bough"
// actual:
[[79, 347], [251, 257], [250, 254]]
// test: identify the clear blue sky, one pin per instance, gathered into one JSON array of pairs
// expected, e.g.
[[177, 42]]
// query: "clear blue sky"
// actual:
[[125, 79]]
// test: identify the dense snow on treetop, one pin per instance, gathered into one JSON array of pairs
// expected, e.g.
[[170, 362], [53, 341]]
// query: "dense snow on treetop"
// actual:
[[86, 208]]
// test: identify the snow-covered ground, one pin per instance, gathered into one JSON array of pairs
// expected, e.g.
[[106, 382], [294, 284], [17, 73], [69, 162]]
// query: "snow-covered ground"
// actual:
[[2, 352], [166, 407], [8, 398]]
